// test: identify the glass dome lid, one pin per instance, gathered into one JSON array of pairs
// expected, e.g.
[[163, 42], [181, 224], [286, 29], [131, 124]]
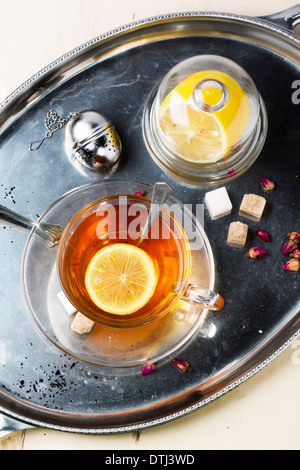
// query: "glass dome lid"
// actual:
[[205, 121]]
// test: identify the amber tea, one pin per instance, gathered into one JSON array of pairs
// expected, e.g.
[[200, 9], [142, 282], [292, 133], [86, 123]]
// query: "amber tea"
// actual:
[[118, 223]]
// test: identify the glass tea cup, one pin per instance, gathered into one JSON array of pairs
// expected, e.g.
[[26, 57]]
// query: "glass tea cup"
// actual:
[[173, 236]]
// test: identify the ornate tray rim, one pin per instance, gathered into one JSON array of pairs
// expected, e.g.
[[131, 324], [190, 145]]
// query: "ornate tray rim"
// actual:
[[267, 24]]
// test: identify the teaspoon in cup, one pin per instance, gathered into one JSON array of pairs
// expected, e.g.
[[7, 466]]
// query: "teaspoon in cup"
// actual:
[[161, 192]]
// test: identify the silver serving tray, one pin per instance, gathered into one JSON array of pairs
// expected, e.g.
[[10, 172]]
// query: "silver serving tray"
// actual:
[[115, 73]]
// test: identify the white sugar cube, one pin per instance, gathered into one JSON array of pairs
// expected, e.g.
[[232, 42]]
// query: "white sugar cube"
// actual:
[[218, 203], [69, 308]]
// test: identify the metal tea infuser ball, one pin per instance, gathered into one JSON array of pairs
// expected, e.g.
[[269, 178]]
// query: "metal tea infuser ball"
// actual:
[[92, 143]]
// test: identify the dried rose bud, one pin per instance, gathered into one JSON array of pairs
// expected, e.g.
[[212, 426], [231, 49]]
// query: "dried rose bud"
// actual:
[[231, 173], [138, 193], [295, 254], [294, 236], [147, 369], [183, 366], [289, 247], [256, 253], [263, 235], [267, 184], [292, 265]]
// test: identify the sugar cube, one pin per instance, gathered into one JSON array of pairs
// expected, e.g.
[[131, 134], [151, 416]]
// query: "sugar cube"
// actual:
[[237, 234], [252, 206], [81, 324], [218, 203], [69, 308]]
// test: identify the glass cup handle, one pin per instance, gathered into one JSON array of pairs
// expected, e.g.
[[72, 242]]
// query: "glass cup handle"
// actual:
[[194, 294]]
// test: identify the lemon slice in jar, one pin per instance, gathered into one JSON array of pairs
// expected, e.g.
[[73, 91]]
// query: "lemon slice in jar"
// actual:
[[195, 134], [121, 279]]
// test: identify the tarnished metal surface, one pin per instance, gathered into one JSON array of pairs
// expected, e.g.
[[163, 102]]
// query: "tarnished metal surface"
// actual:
[[261, 317]]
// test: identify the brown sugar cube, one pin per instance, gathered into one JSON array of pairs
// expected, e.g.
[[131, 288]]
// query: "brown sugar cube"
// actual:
[[252, 206], [81, 324], [237, 234]]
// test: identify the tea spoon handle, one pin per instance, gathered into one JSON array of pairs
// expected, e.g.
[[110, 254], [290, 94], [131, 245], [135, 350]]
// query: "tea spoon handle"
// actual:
[[7, 215], [50, 233], [161, 192]]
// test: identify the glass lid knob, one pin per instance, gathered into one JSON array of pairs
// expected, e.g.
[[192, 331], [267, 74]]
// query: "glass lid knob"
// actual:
[[210, 95]]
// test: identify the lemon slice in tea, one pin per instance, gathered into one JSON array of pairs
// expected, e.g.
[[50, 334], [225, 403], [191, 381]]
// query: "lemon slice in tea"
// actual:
[[121, 278]]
